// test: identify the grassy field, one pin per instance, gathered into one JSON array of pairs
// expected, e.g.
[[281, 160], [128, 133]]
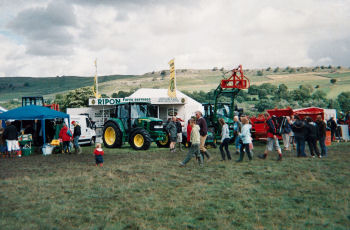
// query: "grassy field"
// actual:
[[15, 88], [147, 190]]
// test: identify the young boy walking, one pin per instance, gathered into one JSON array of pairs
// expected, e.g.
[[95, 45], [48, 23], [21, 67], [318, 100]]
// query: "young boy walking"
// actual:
[[194, 149], [98, 152]]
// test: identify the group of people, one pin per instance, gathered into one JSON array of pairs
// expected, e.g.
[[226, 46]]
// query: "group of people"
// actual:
[[295, 133], [9, 143], [197, 133], [66, 136], [306, 130]]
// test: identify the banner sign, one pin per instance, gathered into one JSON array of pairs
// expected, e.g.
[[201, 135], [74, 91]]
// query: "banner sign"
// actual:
[[116, 101], [172, 82]]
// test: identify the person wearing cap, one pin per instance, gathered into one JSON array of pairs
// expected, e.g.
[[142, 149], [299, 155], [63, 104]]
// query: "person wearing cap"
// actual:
[[76, 136]]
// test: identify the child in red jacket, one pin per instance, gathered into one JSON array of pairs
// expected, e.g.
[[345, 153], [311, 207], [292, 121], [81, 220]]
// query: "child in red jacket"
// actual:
[[99, 155]]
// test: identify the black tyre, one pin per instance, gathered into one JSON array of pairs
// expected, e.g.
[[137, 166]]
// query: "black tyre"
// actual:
[[112, 136], [140, 139], [165, 143]]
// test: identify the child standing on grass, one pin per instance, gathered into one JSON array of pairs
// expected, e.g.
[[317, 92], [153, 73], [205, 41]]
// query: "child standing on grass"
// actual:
[[195, 141], [99, 155]]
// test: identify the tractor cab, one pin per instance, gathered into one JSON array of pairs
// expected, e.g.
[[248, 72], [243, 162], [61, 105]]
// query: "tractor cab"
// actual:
[[130, 113], [39, 101], [26, 101], [135, 123]]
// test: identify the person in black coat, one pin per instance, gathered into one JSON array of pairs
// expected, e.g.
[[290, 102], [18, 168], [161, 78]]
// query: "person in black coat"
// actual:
[[299, 130], [312, 136], [333, 126], [321, 125]]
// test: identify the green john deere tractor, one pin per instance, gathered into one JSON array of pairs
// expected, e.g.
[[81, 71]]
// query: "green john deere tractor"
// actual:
[[134, 123]]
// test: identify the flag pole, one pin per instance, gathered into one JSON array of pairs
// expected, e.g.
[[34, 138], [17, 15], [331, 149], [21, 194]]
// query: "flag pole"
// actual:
[[96, 78]]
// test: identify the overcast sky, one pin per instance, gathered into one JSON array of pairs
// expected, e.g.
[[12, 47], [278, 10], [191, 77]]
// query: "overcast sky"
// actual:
[[63, 37]]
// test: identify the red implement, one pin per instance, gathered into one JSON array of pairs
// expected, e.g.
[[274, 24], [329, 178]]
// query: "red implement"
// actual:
[[236, 81]]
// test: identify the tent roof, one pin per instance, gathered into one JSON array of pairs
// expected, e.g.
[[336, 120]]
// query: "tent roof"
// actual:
[[2, 109], [156, 93], [32, 112]]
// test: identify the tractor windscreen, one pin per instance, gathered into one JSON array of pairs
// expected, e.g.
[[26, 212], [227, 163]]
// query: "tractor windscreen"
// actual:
[[138, 111], [143, 110], [224, 111]]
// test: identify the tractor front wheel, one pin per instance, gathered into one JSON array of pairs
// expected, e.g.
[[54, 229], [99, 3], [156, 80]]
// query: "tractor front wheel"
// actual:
[[112, 136], [140, 139]]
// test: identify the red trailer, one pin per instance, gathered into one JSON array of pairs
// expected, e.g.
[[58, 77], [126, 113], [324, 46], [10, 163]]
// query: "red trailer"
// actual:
[[259, 126], [312, 112]]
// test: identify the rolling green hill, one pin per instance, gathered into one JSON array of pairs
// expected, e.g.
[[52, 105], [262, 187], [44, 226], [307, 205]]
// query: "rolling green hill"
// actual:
[[13, 88], [16, 87]]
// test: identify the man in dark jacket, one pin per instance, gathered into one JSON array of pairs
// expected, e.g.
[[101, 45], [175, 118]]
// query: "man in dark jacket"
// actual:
[[11, 136], [272, 141], [172, 131], [300, 131], [312, 136], [76, 136], [203, 132], [321, 125], [333, 126]]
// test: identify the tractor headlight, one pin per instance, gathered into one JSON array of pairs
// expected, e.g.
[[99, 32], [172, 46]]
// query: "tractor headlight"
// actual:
[[158, 126]]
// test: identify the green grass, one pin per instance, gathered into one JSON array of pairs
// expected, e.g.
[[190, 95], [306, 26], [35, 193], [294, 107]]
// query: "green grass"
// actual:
[[147, 190], [206, 79], [337, 75]]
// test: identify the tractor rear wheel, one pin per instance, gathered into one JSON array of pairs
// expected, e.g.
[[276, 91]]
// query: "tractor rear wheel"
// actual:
[[164, 143], [112, 136], [140, 139]]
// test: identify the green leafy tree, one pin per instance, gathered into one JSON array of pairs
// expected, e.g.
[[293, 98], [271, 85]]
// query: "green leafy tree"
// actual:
[[319, 95], [259, 73], [262, 94], [282, 92], [271, 89], [333, 81], [344, 101], [277, 69], [163, 73], [253, 90], [264, 104]]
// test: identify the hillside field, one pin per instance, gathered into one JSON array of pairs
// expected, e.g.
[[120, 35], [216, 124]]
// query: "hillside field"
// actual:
[[147, 190], [189, 80]]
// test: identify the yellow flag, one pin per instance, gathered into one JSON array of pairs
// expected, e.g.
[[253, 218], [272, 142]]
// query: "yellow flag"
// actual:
[[95, 87], [172, 82]]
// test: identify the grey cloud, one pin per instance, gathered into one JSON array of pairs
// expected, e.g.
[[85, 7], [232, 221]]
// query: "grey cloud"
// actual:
[[334, 52], [46, 26]]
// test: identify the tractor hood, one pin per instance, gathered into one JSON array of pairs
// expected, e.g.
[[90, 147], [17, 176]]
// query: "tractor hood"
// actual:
[[149, 119]]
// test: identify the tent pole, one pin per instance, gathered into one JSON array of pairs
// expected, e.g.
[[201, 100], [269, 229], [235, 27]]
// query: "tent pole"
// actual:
[[43, 130]]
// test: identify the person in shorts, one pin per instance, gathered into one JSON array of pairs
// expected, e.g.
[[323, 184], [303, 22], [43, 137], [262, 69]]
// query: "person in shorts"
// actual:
[[179, 133], [11, 136], [203, 134], [172, 131], [272, 140]]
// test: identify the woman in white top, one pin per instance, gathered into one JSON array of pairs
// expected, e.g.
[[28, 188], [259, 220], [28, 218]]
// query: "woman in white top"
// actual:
[[246, 139], [225, 139]]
